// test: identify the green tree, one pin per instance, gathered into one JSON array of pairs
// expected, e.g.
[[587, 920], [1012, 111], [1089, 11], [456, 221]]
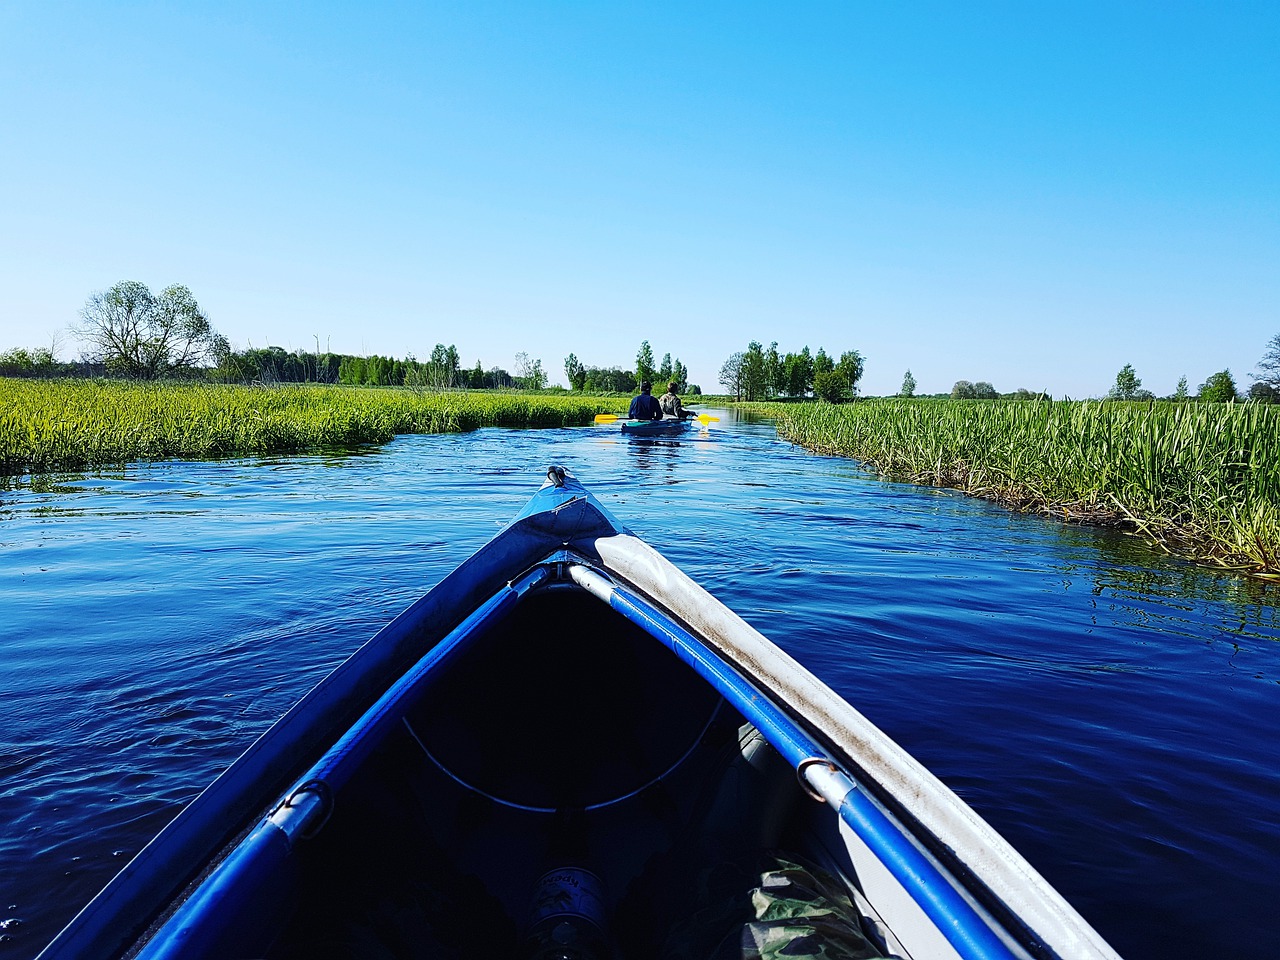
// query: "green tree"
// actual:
[[1219, 388], [664, 369], [753, 379], [908, 388], [984, 391], [20, 362], [850, 366], [963, 390], [529, 373], [731, 375], [1263, 392], [442, 369], [680, 374], [575, 372], [831, 386], [145, 336], [644, 363], [1126, 386], [1180, 393], [798, 372], [822, 364], [775, 378]]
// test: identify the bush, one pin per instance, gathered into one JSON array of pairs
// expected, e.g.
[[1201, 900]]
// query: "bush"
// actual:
[[832, 387]]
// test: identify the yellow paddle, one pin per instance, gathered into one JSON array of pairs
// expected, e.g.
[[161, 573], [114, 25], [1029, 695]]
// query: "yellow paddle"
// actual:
[[613, 418]]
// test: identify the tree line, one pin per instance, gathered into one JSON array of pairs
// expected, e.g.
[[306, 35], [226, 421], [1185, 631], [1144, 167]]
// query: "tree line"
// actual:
[[618, 380], [131, 332], [1219, 387], [758, 373]]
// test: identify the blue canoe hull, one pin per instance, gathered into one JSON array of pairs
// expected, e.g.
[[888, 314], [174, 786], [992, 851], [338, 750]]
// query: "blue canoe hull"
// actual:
[[564, 698]]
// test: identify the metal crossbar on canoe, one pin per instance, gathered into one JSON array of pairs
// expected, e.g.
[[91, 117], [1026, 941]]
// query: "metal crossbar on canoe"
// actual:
[[569, 708]]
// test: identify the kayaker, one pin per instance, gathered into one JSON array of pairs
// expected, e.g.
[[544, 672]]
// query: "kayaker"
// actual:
[[645, 407], [671, 405]]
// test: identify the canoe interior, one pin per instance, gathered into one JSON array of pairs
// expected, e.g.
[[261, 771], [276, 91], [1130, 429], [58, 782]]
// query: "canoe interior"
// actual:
[[562, 735]]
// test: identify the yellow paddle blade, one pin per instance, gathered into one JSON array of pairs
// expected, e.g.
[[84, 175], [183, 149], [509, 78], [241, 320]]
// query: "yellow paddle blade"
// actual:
[[607, 417], [703, 418]]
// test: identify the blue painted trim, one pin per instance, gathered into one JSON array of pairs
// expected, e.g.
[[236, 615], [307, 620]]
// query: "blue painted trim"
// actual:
[[972, 938]]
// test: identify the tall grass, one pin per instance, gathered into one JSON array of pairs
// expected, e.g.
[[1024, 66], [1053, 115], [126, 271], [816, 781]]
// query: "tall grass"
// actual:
[[68, 424], [1200, 480]]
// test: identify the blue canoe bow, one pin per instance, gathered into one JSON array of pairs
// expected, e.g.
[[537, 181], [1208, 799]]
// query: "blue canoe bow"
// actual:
[[567, 698]]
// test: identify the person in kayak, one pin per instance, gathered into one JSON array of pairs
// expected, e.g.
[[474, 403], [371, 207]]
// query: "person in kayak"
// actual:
[[671, 405], [645, 407]]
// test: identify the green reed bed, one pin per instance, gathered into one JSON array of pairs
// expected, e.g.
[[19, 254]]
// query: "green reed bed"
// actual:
[[1200, 480], [68, 424]]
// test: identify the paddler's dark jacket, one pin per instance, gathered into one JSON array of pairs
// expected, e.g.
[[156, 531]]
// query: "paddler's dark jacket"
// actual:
[[645, 407]]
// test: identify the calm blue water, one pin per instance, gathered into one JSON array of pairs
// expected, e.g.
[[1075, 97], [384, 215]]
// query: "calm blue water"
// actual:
[[1114, 714]]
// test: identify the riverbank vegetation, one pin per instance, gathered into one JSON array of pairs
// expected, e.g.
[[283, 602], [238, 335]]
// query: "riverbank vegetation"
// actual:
[[1199, 480], [69, 424]]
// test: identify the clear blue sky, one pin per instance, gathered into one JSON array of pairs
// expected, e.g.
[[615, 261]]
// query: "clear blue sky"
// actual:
[[1028, 193]]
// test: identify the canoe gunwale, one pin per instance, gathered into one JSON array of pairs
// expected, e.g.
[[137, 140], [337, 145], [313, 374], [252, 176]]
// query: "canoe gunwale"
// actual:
[[1008, 885], [971, 935]]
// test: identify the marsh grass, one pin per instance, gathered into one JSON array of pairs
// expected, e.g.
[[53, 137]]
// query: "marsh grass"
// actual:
[[69, 424], [1199, 480]]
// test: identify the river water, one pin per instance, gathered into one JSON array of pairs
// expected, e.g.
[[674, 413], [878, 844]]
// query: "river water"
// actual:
[[1116, 715]]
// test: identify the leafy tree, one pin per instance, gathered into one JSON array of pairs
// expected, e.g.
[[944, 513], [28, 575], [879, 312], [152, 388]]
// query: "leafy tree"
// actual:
[[963, 390], [443, 367], [529, 373], [610, 380], [680, 374], [575, 372], [798, 369], [1263, 392], [850, 366], [831, 386], [752, 375], [664, 369], [1270, 363], [644, 363], [1219, 388], [19, 362], [908, 385], [1181, 392], [143, 335], [822, 363], [774, 375], [1126, 385], [731, 375], [984, 391]]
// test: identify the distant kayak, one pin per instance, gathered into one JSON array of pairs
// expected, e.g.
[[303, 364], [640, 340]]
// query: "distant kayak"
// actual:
[[655, 428]]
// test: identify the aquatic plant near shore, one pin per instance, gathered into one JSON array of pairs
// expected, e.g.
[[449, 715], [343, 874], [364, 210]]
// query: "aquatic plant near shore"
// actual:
[[1199, 480], [68, 424]]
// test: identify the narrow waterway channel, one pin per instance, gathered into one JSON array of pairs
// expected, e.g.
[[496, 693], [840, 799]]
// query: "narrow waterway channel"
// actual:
[[1115, 714]]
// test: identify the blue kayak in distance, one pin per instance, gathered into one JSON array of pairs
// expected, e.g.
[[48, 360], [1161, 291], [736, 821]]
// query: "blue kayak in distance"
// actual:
[[569, 749], [655, 428]]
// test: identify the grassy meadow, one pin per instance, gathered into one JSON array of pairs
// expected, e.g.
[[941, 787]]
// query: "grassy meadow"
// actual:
[[68, 424], [1200, 480]]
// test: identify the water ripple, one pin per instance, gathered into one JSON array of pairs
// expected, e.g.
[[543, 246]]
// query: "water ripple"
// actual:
[[1114, 713]]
